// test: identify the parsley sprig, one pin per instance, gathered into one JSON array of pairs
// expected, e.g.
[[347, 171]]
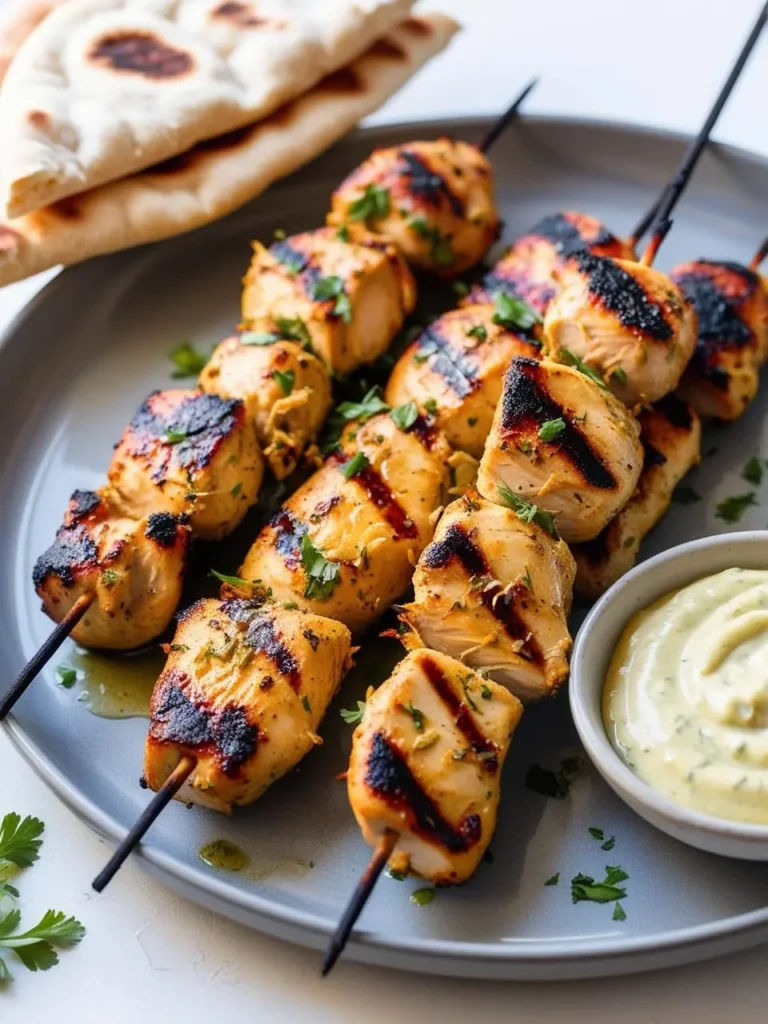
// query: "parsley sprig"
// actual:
[[730, 510], [528, 512], [332, 287], [354, 716], [320, 573], [20, 842], [571, 359], [187, 361], [373, 204], [514, 314]]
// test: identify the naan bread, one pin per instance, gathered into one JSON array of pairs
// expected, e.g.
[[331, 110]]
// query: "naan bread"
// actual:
[[104, 88], [219, 176], [16, 23]]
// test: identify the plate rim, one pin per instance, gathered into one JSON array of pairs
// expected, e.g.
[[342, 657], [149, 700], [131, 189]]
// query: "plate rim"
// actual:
[[197, 884]]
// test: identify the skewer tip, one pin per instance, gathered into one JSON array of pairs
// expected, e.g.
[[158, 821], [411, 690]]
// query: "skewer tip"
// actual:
[[511, 112], [360, 896]]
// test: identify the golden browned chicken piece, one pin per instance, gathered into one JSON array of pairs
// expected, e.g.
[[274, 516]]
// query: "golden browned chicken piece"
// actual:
[[188, 453], [351, 298], [494, 592], [346, 543], [433, 200], [133, 567], [630, 322], [671, 436], [286, 391], [534, 267], [455, 369], [562, 442], [426, 761], [731, 303], [243, 692]]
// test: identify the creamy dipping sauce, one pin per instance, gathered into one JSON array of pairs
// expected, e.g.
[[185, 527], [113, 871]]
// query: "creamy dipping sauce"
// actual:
[[685, 701]]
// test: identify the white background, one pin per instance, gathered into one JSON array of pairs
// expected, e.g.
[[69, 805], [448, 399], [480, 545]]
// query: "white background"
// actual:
[[149, 955]]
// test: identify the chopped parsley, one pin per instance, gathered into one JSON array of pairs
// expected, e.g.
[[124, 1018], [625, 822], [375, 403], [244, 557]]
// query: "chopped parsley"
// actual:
[[421, 897], [430, 406], [586, 889], [321, 574], [306, 703], [527, 512], [416, 715], [685, 495], [67, 676], [619, 913], [460, 288], [619, 374], [553, 880], [285, 380], [188, 362], [279, 235], [609, 844], [354, 716], [232, 581], [478, 331], [343, 233], [485, 691], [439, 245], [555, 784], [550, 430], [326, 288], [110, 577], [236, 490], [732, 509], [404, 416], [513, 313], [373, 204], [174, 435], [355, 465], [753, 471], [597, 833], [571, 359], [397, 876]]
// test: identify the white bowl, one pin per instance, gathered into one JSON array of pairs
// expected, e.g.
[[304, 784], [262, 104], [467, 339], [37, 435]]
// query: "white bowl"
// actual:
[[592, 653]]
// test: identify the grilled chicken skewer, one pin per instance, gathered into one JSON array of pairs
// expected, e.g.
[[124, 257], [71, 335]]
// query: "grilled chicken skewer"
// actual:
[[345, 544], [391, 512], [494, 592], [731, 304], [433, 200], [561, 441], [237, 705], [670, 432], [455, 368], [424, 772]]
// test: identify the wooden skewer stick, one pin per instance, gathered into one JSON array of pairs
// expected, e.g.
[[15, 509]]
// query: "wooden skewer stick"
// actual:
[[360, 896], [505, 118], [46, 652], [759, 256], [661, 210], [159, 802]]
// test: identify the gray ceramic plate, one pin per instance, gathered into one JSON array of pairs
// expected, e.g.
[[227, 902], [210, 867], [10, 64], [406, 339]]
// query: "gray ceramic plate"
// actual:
[[73, 368]]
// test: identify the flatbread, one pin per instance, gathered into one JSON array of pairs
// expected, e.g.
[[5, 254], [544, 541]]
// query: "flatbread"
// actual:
[[16, 23], [104, 88], [221, 175]]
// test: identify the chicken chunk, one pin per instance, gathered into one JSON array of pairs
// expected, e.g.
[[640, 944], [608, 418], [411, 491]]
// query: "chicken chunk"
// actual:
[[671, 436], [134, 569], [534, 268], [494, 592], [426, 761], [346, 543], [561, 441], [630, 322], [455, 369], [433, 200], [188, 453], [350, 297], [731, 304], [243, 692], [286, 391]]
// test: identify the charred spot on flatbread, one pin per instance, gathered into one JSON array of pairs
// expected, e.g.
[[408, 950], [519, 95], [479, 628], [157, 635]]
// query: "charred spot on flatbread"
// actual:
[[345, 80], [243, 15], [387, 48], [417, 27], [38, 119], [141, 53]]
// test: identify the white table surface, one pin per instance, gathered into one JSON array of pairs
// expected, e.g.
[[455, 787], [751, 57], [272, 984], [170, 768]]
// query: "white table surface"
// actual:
[[151, 956]]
